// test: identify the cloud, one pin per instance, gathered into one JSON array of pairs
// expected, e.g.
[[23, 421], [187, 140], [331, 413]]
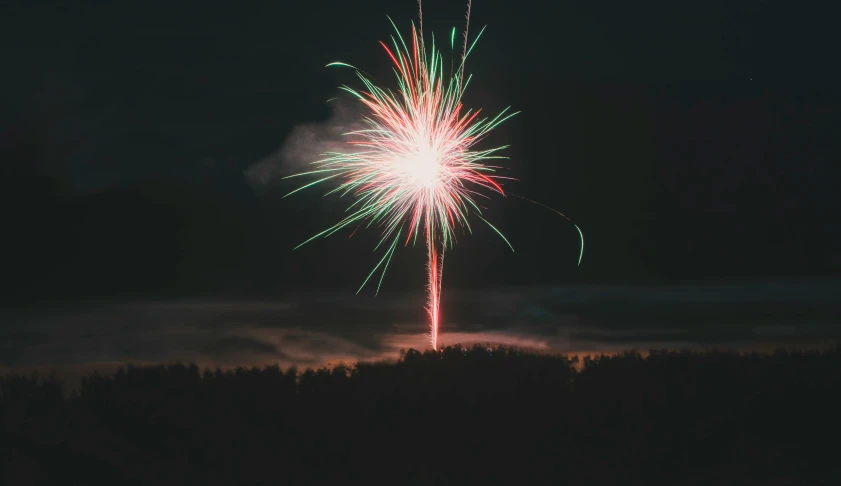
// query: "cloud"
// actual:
[[655, 336], [311, 330], [308, 143], [233, 346]]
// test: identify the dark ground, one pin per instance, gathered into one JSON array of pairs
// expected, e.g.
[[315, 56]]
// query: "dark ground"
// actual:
[[458, 417]]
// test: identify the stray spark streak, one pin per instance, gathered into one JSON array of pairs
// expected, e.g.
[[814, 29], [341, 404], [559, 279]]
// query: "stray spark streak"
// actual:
[[415, 167], [580, 234]]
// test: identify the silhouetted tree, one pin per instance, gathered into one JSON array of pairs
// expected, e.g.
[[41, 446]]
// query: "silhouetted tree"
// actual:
[[450, 416]]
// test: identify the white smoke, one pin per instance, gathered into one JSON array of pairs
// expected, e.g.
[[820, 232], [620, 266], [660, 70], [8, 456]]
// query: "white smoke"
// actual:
[[308, 143]]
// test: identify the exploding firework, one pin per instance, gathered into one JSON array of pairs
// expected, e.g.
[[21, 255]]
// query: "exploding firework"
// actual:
[[415, 167]]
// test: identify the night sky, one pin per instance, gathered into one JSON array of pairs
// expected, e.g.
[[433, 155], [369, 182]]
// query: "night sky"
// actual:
[[142, 145]]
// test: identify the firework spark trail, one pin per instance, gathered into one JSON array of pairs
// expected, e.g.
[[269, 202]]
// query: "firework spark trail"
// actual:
[[420, 17], [580, 234], [466, 28], [415, 167]]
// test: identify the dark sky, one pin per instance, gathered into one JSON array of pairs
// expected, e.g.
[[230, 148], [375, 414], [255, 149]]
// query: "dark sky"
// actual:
[[689, 141]]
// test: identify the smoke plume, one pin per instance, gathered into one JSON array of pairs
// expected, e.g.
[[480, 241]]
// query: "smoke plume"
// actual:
[[308, 143]]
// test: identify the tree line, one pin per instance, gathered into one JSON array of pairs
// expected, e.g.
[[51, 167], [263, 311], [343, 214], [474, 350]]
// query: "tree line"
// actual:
[[455, 416]]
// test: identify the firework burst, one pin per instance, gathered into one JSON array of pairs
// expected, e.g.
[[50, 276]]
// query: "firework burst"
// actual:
[[415, 167]]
